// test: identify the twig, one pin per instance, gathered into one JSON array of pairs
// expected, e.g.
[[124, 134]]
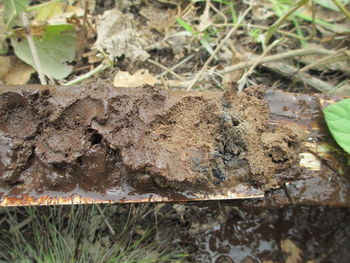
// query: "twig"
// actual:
[[337, 56], [96, 70], [293, 73], [177, 65], [33, 50], [247, 64], [165, 68], [342, 8], [289, 54], [290, 34], [218, 12], [313, 21], [242, 81], [218, 48]]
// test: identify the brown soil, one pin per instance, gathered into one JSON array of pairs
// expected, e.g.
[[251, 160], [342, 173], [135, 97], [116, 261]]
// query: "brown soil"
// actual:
[[100, 136]]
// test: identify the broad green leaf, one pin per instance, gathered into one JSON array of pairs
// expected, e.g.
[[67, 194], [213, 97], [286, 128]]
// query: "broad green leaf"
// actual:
[[13, 9], [337, 118], [55, 48]]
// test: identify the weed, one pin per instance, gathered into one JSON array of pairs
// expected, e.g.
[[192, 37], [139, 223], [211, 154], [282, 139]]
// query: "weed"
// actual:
[[80, 234]]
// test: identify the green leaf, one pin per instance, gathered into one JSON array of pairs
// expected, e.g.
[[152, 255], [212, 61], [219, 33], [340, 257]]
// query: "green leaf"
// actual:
[[13, 9], [186, 26], [337, 118], [55, 48], [206, 45]]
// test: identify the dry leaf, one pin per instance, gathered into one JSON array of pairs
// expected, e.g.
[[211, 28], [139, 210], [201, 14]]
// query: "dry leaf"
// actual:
[[204, 20], [139, 78], [117, 37], [57, 13], [262, 10], [19, 74], [158, 19], [293, 251], [93, 56], [5, 65]]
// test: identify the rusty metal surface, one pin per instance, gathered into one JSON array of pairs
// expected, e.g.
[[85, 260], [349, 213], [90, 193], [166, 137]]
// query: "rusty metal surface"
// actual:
[[324, 178]]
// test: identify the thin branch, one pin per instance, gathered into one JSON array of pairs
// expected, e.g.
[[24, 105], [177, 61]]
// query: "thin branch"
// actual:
[[242, 81], [342, 8], [293, 73], [289, 34], [247, 64], [218, 48], [337, 56], [177, 65], [289, 54], [96, 70], [166, 69]]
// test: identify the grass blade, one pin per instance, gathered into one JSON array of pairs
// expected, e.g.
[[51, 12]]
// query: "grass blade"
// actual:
[[283, 18]]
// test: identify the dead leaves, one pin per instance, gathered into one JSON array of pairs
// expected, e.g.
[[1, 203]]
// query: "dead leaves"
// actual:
[[139, 78], [117, 37], [14, 72]]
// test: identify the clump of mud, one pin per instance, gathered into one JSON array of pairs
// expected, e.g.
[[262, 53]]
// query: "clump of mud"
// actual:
[[99, 136]]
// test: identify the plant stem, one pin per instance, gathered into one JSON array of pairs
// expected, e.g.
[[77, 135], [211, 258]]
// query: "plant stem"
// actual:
[[96, 70], [166, 69], [289, 54], [33, 50], [251, 62], [177, 65], [342, 8]]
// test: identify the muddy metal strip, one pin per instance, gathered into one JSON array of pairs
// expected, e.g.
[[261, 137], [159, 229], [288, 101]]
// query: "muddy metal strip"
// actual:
[[100, 144]]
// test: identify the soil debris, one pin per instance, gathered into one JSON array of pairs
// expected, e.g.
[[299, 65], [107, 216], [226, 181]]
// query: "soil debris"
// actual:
[[99, 136]]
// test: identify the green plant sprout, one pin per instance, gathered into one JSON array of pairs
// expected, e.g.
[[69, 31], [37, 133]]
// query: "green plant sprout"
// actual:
[[202, 37]]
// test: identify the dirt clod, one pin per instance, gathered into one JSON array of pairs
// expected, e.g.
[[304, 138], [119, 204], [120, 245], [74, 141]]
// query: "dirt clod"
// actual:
[[100, 136]]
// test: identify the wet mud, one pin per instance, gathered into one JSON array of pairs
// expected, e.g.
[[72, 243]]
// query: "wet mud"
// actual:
[[229, 232], [100, 137]]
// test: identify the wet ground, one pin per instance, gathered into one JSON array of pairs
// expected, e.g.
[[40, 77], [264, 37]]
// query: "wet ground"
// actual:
[[228, 232]]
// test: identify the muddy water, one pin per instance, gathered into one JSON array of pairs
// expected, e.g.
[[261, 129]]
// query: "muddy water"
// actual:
[[229, 232], [100, 137]]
